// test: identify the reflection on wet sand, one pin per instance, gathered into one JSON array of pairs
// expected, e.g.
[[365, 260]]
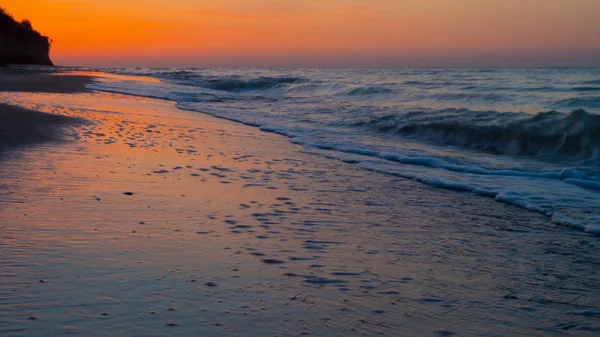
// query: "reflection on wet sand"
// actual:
[[154, 221]]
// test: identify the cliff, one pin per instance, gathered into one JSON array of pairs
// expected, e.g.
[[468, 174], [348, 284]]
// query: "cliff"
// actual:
[[21, 44]]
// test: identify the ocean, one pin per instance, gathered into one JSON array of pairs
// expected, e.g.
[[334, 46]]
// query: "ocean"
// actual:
[[527, 137]]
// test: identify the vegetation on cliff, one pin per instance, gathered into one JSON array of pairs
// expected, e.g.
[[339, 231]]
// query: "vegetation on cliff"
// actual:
[[20, 43]]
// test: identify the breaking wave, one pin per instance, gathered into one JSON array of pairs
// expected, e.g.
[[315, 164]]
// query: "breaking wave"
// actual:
[[574, 136]]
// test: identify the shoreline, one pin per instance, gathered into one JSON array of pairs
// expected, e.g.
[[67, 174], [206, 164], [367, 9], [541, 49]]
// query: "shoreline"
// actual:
[[511, 179], [28, 79], [157, 221]]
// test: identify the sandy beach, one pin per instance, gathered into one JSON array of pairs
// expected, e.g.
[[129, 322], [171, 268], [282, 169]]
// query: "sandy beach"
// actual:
[[135, 218], [22, 126]]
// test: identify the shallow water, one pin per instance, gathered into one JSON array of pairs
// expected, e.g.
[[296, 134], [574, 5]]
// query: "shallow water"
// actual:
[[229, 230], [528, 137]]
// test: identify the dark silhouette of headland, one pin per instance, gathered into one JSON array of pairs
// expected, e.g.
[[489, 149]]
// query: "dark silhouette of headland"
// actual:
[[21, 44]]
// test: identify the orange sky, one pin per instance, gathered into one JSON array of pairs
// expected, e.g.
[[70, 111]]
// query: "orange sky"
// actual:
[[316, 32]]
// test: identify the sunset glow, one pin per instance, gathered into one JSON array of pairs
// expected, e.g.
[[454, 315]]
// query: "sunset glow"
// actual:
[[316, 33]]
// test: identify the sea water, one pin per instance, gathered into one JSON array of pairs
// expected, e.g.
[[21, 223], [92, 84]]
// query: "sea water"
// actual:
[[527, 137]]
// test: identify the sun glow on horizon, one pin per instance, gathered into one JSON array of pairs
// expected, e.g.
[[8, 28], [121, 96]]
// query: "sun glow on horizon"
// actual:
[[320, 33]]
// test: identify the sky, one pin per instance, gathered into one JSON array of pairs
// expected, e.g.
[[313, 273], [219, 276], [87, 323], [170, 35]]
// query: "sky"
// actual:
[[317, 33]]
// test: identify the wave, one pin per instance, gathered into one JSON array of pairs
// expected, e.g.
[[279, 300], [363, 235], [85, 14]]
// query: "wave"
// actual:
[[417, 83], [578, 102], [368, 91], [231, 83], [537, 89], [574, 136], [429, 85], [458, 96], [289, 84], [237, 85], [586, 89], [549, 89]]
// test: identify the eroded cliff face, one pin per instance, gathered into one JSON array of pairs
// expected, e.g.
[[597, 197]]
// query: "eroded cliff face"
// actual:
[[21, 44]]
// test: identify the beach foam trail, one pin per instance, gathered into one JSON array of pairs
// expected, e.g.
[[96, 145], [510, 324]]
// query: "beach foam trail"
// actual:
[[504, 134]]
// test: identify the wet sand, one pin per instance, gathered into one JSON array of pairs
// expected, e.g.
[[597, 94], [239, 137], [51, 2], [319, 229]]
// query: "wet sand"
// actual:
[[153, 221], [20, 126]]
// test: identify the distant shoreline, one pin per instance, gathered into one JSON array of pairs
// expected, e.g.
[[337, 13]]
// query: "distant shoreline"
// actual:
[[30, 79]]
